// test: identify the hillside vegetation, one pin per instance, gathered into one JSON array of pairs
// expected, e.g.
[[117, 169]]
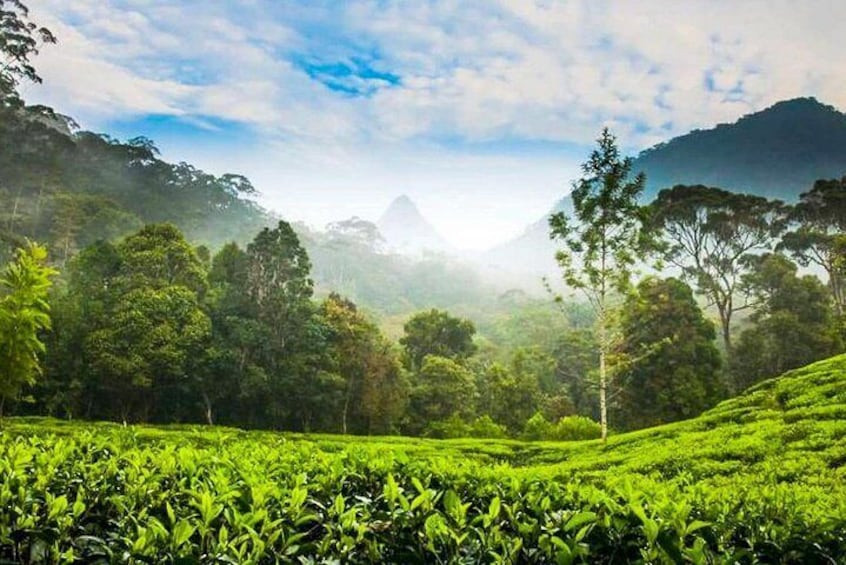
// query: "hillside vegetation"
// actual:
[[757, 479], [778, 152]]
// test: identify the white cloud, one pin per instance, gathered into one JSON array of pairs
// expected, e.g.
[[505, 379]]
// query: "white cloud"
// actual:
[[531, 70], [500, 71]]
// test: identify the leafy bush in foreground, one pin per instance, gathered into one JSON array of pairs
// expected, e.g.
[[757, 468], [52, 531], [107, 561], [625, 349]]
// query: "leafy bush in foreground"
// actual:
[[758, 479]]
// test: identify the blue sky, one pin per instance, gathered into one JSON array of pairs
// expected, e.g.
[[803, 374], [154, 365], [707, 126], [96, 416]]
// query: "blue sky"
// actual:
[[480, 111]]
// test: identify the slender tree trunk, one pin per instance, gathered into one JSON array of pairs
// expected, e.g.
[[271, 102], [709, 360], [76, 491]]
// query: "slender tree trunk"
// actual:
[[344, 414], [836, 285], [725, 326], [66, 250], [603, 404], [603, 348], [208, 406], [15, 211], [38, 207]]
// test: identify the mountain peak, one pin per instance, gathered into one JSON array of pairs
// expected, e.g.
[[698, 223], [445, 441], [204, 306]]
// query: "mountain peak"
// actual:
[[401, 205], [406, 230]]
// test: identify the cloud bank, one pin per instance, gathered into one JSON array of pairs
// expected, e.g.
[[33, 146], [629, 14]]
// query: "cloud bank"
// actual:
[[347, 94]]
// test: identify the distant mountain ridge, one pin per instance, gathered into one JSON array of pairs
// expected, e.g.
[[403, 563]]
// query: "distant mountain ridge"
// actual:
[[778, 152], [532, 251]]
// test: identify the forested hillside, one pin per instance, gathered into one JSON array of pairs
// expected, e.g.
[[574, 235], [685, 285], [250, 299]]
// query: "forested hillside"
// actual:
[[778, 152], [69, 188]]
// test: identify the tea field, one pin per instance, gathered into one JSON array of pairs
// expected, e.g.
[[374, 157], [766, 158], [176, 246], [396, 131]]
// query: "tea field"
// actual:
[[758, 479]]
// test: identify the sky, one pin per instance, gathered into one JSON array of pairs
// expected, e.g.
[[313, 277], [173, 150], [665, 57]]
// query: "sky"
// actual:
[[480, 111]]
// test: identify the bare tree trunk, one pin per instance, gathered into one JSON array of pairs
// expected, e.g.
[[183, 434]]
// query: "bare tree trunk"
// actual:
[[837, 291], [603, 387], [208, 406], [344, 414], [725, 323], [15, 211], [38, 206]]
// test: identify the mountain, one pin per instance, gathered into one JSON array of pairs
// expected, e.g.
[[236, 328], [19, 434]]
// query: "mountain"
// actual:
[[532, 251], [778, 152], [406, 230]]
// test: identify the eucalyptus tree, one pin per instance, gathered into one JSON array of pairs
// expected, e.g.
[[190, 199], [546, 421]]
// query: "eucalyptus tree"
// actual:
[[817, 238], [20, 40], [708, 233]]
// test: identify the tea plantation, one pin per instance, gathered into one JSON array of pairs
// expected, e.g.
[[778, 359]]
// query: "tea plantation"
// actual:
[[758, 479]]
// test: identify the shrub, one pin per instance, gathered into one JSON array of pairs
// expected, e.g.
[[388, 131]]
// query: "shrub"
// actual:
[[573, 428], [485, 427], [537, 428]]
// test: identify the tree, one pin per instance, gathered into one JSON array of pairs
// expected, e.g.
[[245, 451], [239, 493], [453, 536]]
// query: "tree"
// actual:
[[132, 328], [234, 367], [24, 314], [708, 232], [280, 289], [147, 350], [511, 394], [673, 367], [20, 39], [435, 332], [821, 218], [792, 322], [442, 389], [371, 380], [602, 242]]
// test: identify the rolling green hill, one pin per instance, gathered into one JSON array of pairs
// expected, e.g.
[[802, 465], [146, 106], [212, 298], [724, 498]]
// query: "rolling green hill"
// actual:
[[758, 479]]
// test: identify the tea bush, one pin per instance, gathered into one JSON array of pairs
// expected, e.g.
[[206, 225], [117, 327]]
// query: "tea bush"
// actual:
[[759, 479]]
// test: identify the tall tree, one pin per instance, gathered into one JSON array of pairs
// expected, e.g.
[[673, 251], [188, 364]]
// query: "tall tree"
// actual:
[[145, 354], [820, 218], [278, 273], [20, 39], [132, 313], [602, 242], [436, 332], [24, 314], [792, 322], [708, 232], [280, 288], [672, 368]]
